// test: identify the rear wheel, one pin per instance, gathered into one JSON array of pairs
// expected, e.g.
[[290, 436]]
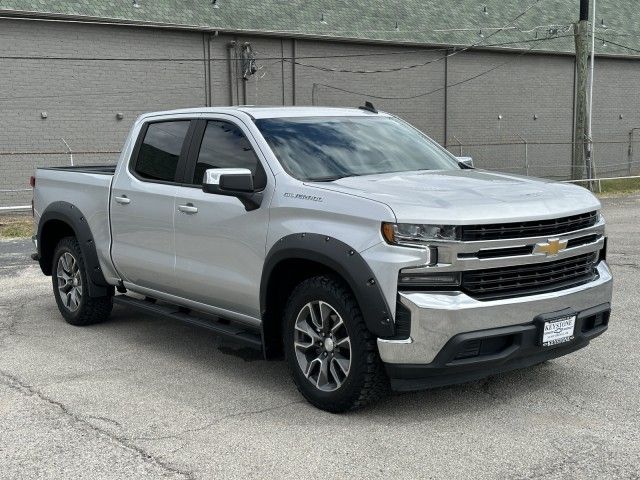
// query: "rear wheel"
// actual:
[[330, 352], [70, 287]]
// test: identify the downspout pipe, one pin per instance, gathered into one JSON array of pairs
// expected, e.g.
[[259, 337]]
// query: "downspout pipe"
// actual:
[[230, 49]]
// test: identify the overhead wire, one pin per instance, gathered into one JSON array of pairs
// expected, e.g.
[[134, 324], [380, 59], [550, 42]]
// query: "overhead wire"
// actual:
[[607, 40], [412, 66], [455, 52], [424, 94]]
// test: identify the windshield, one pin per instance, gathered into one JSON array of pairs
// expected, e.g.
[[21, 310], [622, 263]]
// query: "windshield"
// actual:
[[328, 148]]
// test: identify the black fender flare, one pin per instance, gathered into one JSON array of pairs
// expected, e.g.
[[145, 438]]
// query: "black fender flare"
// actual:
[[344, 260], [74, 218]]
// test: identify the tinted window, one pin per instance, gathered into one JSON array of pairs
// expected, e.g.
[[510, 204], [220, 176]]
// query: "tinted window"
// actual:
[[225, 146], [160, 150], [327, 148]]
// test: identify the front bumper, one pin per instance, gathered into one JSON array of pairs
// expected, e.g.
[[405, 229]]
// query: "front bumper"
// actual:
[[439, 318]]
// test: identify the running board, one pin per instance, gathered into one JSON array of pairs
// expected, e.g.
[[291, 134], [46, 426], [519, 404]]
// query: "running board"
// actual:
[[238, 333]]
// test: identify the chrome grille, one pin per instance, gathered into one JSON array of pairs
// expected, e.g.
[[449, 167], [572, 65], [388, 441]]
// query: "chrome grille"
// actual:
[[538, 228], [530, 279]]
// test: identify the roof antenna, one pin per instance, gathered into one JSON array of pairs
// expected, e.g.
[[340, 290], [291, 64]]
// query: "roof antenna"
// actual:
[[368, 106]]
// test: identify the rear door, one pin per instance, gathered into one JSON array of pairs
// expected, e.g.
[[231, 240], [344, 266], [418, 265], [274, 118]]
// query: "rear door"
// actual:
[[143, 201], [220, 246]]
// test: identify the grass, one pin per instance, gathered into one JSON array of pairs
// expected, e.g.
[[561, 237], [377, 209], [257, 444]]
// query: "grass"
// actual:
[[16, 226], [620, 187]]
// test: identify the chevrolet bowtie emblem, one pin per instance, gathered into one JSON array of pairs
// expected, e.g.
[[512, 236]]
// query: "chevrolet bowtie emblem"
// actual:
[[551, 248]]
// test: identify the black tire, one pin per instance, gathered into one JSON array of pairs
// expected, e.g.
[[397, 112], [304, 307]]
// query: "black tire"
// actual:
[[89, 310], [366, 380]]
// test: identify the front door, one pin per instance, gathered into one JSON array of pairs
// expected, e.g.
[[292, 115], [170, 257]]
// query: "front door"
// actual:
[[220, 247], [142, 206]]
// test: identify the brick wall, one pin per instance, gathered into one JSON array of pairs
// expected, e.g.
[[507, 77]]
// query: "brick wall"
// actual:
[[83, 96]]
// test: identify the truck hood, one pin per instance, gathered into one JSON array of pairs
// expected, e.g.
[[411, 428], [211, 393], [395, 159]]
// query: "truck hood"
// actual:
[[467, 196]]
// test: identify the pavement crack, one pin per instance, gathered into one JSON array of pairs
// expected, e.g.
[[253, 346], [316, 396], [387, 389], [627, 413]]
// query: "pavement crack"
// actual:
[[24, 388], [179, 435]]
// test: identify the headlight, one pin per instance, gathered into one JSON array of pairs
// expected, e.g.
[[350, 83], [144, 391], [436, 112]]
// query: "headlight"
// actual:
[[418, 235]]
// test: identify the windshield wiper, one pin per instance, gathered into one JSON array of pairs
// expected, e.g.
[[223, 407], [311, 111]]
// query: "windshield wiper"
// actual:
[[327, 179]]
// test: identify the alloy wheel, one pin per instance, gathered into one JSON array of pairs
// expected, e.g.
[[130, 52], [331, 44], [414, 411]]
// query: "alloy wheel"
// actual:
[[322, 346], [69, 281]]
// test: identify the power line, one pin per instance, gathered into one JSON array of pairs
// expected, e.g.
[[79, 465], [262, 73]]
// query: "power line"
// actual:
[[455, 52], [618, 44], [616, 33], [424, 94], [417, 65]]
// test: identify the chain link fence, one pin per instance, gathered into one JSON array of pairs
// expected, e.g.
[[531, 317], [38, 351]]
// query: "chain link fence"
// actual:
[[612, 158], [16, 167]]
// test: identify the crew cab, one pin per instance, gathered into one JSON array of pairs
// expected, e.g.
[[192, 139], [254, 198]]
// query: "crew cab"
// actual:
[[344, 240]]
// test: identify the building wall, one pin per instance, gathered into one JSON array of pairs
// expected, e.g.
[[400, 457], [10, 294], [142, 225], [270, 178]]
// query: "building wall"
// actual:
[[82, 96], [528, 100], [617, 103]]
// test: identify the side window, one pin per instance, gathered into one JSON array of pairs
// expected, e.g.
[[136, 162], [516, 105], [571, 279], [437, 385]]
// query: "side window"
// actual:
[[160, 150], [225, 146]]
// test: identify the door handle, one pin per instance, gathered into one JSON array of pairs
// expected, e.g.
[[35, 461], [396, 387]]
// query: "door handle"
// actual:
[[123, 200], [188, 208]]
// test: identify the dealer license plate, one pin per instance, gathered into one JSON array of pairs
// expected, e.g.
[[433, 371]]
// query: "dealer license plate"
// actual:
[[558, 330]]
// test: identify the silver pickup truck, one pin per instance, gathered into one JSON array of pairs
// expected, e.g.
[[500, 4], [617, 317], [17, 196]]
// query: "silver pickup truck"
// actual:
[[344, 240]]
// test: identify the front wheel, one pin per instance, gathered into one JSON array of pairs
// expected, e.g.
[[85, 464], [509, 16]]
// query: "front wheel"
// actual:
[[70, 287], [330, 352]]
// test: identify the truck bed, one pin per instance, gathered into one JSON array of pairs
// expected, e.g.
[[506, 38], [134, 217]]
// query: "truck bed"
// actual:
[[88, 189]]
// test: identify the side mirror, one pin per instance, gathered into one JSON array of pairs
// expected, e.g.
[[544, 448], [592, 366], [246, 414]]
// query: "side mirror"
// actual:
[[219, 180], [232, 182], [466, 162]]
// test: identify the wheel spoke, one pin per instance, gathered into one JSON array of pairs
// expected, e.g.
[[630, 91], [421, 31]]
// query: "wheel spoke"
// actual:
[[69, 262], [303, 326], [303, 347], [337, 324], [316, 319], [337, 375], [63, 263], [325, 316], [323, 374], [76, 297], [67, 302], [63, 280], [310, 365], [342, 362], [344, 343]]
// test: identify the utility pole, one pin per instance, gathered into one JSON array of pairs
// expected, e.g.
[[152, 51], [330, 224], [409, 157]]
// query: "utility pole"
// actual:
[[591, 171], [580, 146]]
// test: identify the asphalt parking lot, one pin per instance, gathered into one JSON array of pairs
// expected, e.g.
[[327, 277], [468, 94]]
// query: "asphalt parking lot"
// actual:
[[140, 397]]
